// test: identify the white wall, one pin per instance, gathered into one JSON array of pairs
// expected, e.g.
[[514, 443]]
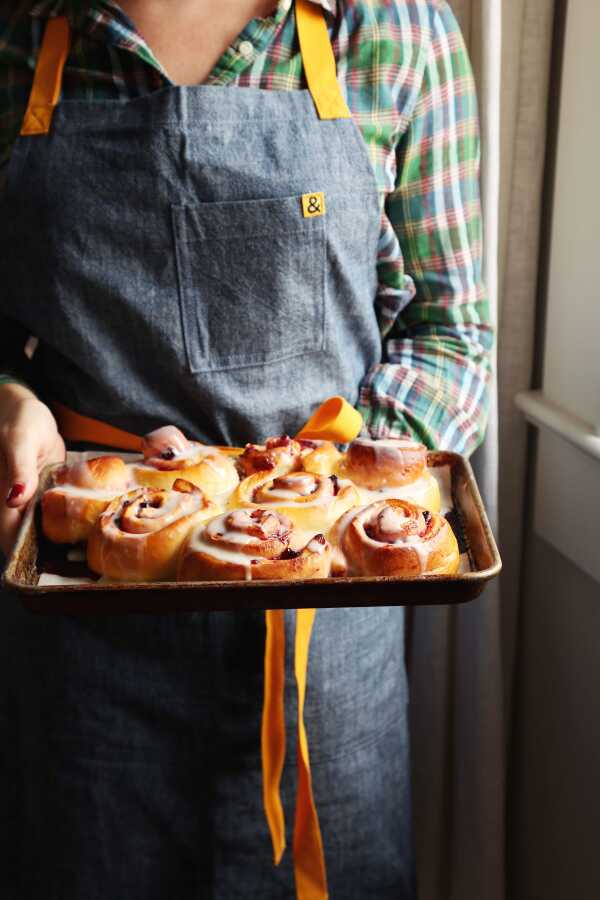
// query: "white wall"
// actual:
[[554, 777], [572, 361], [554, 803]]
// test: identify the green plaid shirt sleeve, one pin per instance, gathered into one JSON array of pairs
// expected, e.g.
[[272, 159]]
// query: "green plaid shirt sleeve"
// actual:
[[434, 381]]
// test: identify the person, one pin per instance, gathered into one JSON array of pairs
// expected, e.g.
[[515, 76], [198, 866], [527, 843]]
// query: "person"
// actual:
[[154, 246]]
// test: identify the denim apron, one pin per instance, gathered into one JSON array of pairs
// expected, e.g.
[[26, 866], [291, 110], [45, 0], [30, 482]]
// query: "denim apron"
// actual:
[[203, 256]]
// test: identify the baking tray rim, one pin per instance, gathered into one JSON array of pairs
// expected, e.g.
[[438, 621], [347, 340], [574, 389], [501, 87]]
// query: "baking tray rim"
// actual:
[[435, 458]]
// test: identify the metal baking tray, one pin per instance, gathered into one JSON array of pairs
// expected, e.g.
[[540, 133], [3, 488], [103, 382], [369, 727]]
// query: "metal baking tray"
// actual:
[[33, 553]]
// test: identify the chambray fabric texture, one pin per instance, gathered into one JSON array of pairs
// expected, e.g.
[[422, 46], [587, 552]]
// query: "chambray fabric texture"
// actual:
[[185, 284], [404, 70], [141, 736]]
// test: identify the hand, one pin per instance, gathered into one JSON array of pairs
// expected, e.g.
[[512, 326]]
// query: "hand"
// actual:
[[29, 440]]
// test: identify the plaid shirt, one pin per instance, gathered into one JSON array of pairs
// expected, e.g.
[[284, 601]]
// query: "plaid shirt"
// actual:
[[404, 70]]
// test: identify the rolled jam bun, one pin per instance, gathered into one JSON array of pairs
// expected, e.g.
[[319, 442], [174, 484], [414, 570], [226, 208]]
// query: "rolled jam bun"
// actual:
[[425, 492], [311, 501], [281, 455], [139, 535], [393, 537], [99, 473], [278, 455], [393, 462], [81, 493], [169, 455], [320, 457], [252, 544]]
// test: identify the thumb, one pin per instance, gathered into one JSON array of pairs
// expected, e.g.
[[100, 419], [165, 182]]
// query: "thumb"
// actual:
[[21, 471]]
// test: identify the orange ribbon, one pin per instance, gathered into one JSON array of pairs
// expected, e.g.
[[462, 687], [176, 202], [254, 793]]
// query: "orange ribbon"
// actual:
[[334, 420], [273, 728], [76, 428], [309, 858], [47, 80]]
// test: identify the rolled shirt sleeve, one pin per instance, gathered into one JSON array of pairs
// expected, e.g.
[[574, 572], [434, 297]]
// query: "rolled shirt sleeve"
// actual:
[[434, 379]]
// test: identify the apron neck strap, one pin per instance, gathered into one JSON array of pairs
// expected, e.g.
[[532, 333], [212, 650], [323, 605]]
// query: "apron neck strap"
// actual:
[[319, 62], [315, 48], [48, 77]]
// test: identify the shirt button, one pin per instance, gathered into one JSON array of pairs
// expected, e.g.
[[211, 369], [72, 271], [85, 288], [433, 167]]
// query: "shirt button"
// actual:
[[246, 49]]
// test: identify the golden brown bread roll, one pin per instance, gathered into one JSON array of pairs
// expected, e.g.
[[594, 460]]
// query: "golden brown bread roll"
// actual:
[[138, 536], [425, 492], [311, 501], [252, 544], [320, 457], [278, 455], [392, 462], [169, 455], [393, 537], [392, 468], [98, 473], [81, 493]]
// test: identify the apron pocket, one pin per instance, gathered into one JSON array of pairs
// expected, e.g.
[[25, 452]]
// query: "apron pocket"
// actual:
[[251, 282]]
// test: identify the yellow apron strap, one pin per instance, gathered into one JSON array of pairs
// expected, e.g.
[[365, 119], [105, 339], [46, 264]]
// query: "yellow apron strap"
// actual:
[[273, 728], [335, 420], [309, 859], [315, 47], [319, 62], [75, 427], [48, 77]]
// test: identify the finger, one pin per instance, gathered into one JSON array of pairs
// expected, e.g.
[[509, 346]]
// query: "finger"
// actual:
[[21, 470]]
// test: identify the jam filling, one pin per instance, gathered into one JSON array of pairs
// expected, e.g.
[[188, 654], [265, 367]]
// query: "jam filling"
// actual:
[[288, 553], [372, 532], [264, 464], [282, 441]]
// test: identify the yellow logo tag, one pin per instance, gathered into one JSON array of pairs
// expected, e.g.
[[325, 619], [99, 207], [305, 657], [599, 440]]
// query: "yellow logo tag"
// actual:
[[313, 205]]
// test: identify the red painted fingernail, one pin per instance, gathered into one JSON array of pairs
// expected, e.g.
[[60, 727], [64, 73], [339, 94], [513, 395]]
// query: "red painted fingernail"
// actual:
[[16, 490]]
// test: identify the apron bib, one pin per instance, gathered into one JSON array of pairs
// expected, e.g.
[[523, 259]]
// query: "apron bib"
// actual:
[[209, 258]]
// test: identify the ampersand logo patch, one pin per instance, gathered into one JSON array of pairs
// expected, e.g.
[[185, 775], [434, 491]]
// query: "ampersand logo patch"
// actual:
[[313, 205]]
